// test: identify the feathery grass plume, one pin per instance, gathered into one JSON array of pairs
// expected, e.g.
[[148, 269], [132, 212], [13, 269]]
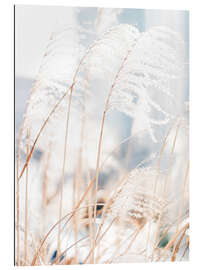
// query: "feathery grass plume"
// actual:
[[109, 50], [136, 206], [154, 60], [53, 80], [135, 201]]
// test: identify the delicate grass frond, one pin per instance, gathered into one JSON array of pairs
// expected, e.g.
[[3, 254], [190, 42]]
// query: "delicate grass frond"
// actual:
[[134, 200]]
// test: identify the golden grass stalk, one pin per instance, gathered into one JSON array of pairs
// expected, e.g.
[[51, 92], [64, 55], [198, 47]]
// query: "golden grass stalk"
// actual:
[[173, 240], [183, 195], [167, 177], [177, 246], [70, 214], [44, 191], [26, 208], [63, 173], [100, 141], [18, 202]]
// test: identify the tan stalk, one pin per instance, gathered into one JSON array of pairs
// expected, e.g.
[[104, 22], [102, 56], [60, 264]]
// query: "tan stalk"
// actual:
[[75, 217], [65, 151], [101, 138], [78, 174], [176, 247], [18, 218], [43, 240], [101, 237], [156, 181], [181, 204], [63, 175], [163, 235], [187, 247], [183, 195], [38, 135], [133, 236], [26, 207], [18, 201], [90, 213], [167, 177], [44, 192], [132, 241], [173, 240], [67, 249]]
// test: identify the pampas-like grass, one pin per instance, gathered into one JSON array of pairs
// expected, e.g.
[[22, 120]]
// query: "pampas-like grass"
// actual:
[[78, 87]]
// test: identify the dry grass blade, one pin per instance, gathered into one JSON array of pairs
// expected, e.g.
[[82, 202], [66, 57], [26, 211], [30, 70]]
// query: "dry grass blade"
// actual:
[[173, 240], [177, 246], [38, 135]]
